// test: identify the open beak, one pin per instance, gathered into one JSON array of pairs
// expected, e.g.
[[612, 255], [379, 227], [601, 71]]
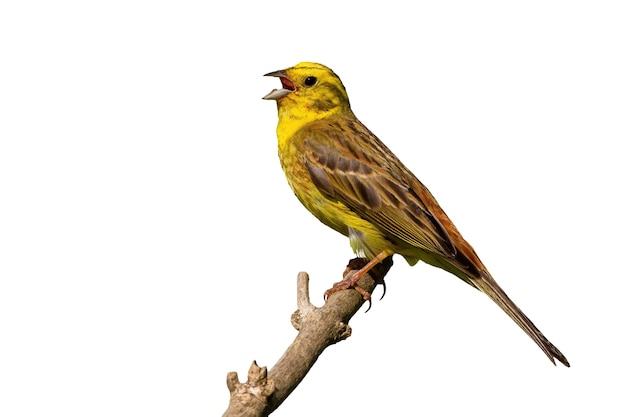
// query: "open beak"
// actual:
[[288, 86]]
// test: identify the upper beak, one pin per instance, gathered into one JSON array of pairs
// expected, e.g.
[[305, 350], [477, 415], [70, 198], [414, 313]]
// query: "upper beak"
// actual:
[[288, 86]]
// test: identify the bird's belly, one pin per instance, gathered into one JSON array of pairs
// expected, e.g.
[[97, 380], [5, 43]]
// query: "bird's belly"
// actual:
[[366, 239]]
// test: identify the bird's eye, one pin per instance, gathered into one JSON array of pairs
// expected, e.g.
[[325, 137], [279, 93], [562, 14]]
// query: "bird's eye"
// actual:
[[310, 81]]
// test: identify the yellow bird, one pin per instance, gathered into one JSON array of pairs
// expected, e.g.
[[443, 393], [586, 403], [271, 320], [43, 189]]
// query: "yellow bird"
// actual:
[[347, 178]]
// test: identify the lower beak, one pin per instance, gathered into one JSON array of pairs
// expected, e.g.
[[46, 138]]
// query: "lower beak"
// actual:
[[275, 94]]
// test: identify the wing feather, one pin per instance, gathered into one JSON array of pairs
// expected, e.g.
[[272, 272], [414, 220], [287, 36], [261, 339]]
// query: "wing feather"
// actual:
[[352, 166]]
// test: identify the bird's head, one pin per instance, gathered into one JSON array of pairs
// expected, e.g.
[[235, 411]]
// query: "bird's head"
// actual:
[[309, 91]]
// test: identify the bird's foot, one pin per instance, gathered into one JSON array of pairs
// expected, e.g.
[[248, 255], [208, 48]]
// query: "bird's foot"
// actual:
[[362, 266], [350, 282]]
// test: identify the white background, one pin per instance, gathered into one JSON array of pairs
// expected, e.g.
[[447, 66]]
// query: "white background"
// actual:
[[149, 243]]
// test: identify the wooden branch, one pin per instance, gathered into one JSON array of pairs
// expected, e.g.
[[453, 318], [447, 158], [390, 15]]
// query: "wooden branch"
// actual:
[[318, 328]]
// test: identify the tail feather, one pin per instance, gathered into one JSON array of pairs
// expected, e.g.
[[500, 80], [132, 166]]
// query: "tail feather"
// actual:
[[489, 286]]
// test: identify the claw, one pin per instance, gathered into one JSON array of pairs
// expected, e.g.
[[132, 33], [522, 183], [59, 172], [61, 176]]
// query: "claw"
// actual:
[[384, 284]]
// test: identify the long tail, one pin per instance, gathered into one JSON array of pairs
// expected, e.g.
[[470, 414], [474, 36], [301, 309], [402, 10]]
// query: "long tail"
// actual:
[[489, 286]]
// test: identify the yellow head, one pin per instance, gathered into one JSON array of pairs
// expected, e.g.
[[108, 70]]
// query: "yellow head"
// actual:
[[309, 92]]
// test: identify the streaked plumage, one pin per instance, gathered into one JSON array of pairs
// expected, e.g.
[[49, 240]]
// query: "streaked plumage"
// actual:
[[345, 176]]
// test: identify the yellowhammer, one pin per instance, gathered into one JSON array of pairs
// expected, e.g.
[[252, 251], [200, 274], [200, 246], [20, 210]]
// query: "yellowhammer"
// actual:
[[352, 182]]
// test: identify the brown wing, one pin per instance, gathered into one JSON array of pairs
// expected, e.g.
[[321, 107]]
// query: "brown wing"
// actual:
[[348, 163]]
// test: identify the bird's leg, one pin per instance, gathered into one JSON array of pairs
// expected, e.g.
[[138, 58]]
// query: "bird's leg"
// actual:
[[363, 269]]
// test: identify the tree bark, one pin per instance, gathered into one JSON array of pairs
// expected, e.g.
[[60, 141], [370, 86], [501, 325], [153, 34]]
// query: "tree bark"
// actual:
[[317, 328]]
